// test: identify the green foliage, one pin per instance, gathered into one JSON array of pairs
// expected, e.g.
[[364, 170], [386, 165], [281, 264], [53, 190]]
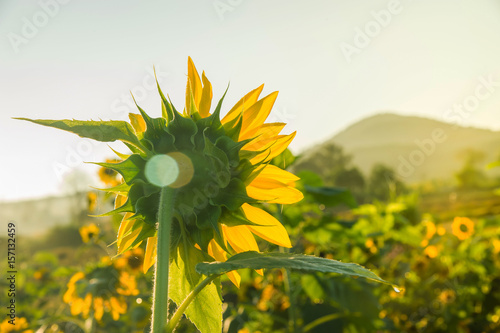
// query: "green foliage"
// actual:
[[300, 262], [206, 310]]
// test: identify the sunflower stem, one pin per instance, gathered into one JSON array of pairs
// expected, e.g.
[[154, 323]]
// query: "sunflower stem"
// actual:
[[180, 310], [160, 284]]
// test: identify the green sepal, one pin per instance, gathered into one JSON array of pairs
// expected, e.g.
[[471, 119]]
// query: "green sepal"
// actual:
[[123, 188], [249, 171], [147, 231], [136, 150], [120, 155], [231, 149], [233, 128], [157, 136], [127, 207], [219, 104], [180, 128], [249, 154], [132, 169], [208, 217], [147, 208], [167, 111], [235, 218], [232, 196], [210, 127], [104, 131], [201, 237]]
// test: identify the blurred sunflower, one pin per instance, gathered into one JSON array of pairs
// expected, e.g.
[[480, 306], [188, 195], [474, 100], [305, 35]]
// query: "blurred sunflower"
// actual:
[[91, 201], [89, 232], [496, 246], [109, 176], [462, 227], [431, 251], [100, 290], [20, 325], [226, 166], [447, 296], [131, 260]]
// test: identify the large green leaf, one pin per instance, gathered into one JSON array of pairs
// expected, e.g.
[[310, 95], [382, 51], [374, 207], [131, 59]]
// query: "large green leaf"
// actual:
[[302, 262], [105, 131], [206, 309]]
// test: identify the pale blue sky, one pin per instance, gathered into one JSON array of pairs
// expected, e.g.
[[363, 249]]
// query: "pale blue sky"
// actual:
[[79, 62]]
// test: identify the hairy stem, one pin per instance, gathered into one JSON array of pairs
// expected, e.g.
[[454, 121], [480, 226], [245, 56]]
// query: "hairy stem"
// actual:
[[160, 291]]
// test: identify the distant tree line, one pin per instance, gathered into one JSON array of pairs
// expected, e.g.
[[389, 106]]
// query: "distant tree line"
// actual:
[[336, 169]]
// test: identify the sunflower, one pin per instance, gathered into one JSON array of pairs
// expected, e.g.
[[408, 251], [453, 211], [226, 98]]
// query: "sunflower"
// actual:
[[431, 251], [462, 227], [109, 176], [131, 260], [101, 290], [91, 201], [226, 172], [447, 296], [89, 232], [20, 325]]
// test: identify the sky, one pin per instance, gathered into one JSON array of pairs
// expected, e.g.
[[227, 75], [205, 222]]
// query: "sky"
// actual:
[[333, 63]]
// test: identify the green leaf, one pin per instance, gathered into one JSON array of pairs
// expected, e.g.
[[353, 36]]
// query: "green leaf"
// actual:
[[302, 262], [104, 131], [132, 169], [284, 160], [206, 309], [331, 196]]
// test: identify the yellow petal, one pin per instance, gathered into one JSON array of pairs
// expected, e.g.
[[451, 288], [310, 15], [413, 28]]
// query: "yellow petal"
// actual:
[[87, 303], [265, 132], [98, 308], [216, 252], [150, 255], [256, 115], [243, 104], [193, 87], [127, 236], [269, 227], [68, 295], [240, 238], [272, 172], [120, 200], [137, 122], [77, 306], [206, 97], [279, 145], [282, 195]]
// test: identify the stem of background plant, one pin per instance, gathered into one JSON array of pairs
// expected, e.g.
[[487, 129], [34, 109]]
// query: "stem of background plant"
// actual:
[[160, 291], [180, 310], [292, 319]]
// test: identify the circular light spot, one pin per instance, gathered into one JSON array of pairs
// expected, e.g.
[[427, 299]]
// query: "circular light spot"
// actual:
[[186, 169], [162, 170]]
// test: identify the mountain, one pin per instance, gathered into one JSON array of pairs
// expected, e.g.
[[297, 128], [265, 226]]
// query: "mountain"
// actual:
[[417, 148]]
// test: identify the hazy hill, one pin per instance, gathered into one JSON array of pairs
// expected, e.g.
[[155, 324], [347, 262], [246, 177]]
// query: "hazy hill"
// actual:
[[417, 148], [36, 216]]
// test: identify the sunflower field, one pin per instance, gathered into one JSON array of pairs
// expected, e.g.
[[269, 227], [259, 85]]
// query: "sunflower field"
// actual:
[[212, 229]]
